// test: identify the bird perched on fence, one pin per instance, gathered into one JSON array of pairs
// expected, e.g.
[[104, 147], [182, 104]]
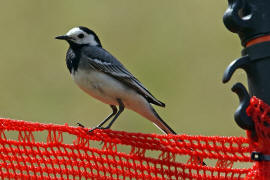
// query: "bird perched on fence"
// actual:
[[102, 76]]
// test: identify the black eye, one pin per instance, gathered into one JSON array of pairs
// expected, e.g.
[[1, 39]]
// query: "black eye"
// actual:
[[80, 36]]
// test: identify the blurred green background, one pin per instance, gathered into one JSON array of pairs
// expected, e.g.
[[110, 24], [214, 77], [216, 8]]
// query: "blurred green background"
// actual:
[[177, 49]]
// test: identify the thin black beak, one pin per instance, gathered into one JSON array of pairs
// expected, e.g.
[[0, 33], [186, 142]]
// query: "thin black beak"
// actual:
[[64, 37]]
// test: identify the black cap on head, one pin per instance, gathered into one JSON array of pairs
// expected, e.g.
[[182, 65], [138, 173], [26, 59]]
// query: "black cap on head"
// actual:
[[89, 31]]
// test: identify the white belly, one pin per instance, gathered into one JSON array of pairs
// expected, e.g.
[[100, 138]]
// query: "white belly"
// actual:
[[104, 87]]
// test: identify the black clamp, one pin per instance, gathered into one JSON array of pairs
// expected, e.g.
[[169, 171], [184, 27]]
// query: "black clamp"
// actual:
[[256, 63], [257, 156], [240, 116]]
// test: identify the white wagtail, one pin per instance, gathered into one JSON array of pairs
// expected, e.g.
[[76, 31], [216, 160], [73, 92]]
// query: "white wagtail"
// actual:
[[103, 77]]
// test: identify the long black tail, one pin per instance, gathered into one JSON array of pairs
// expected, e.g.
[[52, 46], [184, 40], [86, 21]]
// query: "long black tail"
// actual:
[[161, 124]]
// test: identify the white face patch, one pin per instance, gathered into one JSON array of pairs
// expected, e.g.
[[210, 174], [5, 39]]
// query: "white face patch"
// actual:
[[75, 33]]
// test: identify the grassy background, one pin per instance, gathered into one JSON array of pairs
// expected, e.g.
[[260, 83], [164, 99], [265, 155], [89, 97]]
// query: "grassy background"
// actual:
[[177, 49]]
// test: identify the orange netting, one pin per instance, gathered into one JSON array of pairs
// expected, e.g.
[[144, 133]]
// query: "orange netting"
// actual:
[[260, 113], [49, 151], [117, 155]]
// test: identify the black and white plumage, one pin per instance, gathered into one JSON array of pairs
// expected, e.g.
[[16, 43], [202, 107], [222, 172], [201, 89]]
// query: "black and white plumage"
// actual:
[[102, 76]]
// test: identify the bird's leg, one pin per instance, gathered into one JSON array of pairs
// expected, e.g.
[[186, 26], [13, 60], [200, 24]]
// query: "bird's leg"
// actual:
[[114, 109], [121, 109]]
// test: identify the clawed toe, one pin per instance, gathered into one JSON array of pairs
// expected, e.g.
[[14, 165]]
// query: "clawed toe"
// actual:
[[80, 125], [91, 130]]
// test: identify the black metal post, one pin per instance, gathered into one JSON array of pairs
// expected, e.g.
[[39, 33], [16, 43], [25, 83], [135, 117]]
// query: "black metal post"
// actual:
[[250, 19]]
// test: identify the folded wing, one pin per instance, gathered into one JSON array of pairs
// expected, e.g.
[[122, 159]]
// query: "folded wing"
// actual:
[[105, 62]]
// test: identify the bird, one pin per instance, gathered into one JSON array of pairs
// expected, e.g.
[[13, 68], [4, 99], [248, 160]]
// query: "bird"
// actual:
[[98, 73]]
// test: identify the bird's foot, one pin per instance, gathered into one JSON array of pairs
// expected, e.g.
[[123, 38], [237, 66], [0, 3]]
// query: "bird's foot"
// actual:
[[98, 127], [80, 125]]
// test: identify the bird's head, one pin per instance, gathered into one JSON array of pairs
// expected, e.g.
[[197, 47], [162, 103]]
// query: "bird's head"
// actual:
[[80, 36]]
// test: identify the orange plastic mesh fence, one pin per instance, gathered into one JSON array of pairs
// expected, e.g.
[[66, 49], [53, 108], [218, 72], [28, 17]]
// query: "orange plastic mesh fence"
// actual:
[[49, 151], [260, 142]]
